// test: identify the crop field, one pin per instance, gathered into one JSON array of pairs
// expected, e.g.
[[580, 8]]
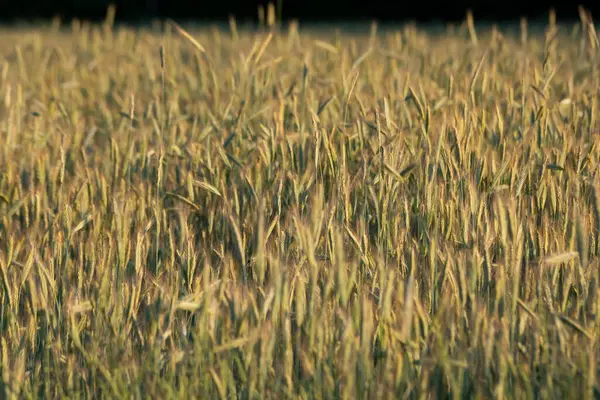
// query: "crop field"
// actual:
[[285, 212]]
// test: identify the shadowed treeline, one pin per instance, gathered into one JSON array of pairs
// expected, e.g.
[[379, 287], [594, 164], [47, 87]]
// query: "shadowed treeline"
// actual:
[[307, 9]]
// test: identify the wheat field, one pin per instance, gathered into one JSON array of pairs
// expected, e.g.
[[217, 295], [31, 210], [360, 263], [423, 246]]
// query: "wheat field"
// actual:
[[282, 212]]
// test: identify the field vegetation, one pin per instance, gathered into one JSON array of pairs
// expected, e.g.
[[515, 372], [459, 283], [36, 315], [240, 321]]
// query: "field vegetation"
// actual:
[[292, 213]]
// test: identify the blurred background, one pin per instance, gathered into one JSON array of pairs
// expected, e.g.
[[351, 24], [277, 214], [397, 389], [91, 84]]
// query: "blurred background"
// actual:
[[304, 10]]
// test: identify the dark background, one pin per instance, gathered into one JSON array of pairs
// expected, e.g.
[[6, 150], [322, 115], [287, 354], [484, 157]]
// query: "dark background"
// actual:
[[304, 10]]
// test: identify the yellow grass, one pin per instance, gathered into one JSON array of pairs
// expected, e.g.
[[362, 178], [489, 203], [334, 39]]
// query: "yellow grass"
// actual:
[[213, 213]]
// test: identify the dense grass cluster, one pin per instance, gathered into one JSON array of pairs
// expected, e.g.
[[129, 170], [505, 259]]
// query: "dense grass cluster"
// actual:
[[294, 213]]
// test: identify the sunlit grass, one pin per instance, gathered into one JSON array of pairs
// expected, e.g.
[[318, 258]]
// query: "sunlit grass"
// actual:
[[291, 213]]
